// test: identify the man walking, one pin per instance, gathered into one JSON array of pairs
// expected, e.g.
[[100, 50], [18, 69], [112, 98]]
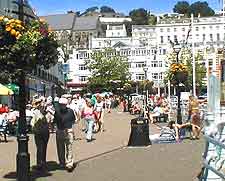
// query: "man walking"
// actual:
[[64, 118]]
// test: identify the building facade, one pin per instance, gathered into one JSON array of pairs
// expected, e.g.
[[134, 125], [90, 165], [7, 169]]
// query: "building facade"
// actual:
[[147, 47]]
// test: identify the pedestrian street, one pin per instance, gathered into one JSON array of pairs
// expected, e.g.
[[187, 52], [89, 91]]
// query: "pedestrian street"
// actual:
[[108, 158]]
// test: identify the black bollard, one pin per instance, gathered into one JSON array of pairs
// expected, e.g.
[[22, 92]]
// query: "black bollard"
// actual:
[[139, 135]]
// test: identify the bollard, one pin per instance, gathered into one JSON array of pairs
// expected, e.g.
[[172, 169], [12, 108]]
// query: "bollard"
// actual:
[[139, 135]]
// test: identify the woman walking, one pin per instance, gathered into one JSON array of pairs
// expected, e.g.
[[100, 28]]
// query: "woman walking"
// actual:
[[41, 133], [89, 118], [99, 113]]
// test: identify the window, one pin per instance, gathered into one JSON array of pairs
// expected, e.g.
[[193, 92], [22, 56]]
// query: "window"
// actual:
[[99, 44], [196, 28], [175, 29], [140, 76], [161, 29], [218, 37], [161, 39], [210, 27], [175, 37], [164, 51], [168, 29], [82, 67], [203, 37], [160, 76], [203, 27], [118, 33], [83, 78], [140, 64], [183, 29], [154, 76], [154, 64], [211, 37], [217, 27], [168, 38], [129, 65]]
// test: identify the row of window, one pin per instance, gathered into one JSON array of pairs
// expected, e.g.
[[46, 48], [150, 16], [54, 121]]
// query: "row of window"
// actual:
[[197, 36], [116, 27], [142, 64], [197, 28], [83, 78], [128, 52], [137, 65], [155, 76]]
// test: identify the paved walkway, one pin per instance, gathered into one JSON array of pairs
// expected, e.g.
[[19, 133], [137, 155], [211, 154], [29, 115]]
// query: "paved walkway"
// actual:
[[107, 159]]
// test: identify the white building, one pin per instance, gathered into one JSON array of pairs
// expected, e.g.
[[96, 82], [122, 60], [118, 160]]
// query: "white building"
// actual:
[[115, 26], [149, 46]]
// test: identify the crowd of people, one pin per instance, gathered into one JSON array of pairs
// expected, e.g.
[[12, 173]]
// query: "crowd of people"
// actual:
[[59, 116]]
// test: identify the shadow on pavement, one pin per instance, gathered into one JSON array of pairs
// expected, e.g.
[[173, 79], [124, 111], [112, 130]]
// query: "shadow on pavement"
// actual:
[[51, 166]]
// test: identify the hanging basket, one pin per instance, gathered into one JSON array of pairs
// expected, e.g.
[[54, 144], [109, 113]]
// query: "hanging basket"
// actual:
[[180, 77]]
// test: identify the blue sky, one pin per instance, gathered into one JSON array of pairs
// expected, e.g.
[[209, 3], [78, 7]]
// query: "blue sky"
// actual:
[[45, 7]]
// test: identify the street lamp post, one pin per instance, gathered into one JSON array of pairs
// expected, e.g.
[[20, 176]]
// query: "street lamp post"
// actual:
[[23, 156], [145, 92], [177, 48]]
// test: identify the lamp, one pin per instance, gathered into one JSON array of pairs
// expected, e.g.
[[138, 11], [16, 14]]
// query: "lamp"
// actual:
[[145, 68], [177, 48]]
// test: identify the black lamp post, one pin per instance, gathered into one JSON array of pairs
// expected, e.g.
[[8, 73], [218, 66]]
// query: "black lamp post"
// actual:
[[177, 47], [23, 157], [145, 92]]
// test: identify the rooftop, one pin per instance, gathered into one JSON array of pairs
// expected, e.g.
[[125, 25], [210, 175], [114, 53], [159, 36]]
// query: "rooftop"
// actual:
[[60, 21], [86, 23]]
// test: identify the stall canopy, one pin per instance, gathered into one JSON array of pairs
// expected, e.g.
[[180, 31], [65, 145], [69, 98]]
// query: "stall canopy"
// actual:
[[15, 88], [5, 91]]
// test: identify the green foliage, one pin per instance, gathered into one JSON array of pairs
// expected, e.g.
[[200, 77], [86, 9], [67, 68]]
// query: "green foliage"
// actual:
[[106, 9], [89, 10], [202, 8], [139, 16], [182, 7], [108, 70], [152, 19], [186, 59], [23, 47]]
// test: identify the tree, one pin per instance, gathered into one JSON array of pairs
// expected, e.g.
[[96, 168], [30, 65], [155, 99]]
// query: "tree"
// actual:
[[107, 9], [201, 8], [23, 47], [152, 19], [182, 7], [89, 11], [107, 68], [139, 16]]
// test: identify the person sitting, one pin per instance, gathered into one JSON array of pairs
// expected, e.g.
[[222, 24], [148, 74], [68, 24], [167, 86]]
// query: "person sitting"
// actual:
[[136, 109], [155, 113]]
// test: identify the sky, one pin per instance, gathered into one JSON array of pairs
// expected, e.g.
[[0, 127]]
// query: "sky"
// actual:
[[46, 7]]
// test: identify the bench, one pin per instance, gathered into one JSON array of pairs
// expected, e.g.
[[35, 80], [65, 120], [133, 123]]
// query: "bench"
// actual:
[[162, 118]]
